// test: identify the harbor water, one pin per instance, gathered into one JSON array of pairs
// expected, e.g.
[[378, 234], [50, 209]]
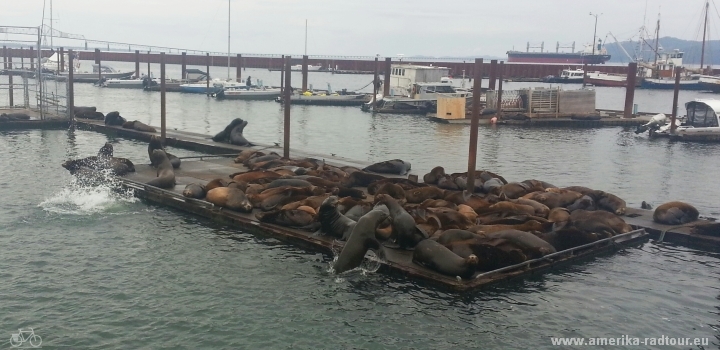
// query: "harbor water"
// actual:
[[93, 267]]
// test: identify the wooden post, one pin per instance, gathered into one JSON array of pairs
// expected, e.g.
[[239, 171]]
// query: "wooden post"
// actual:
[[207, 76], [163, 125], [10, 76], [678, 70], [137, 63], [71, 86], [4, 55], [386, 83], [493, 67], [238, 68], [472, 154], [148, 62], [32, 58], [286, 121], [630, 89], [22, 58], [375, 85], [304, 73], [282, 75], [97, 61], [584, 74], [501, 71], [62, 60]]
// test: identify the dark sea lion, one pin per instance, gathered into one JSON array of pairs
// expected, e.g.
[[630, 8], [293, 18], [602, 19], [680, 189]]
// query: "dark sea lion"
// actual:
[[538, 185], [461, 182], [434, 175], [313, 202], [297, 218], [215, 183], [395, 166], [446, 182], [242, 186], [360, 179], [139, 126], [357, 211], [106, 150], [438, 203], [585, 202], [487, 175], [350, 192], [289, 182], [493, 185], [261, 177], [333, 223], [528, 226], [317, 181], [156, 143], [406, 233], [609, 202], [393, 190], [450, 218], [114, 118], [567, 238], [254, 189], [559, 215], [645, 205], [247, 154], [265, 158], [418, 195], [554, 198], [236, 135], [362, 238], [79, 110], [509, 208], [533, 246], [194, 190], [165, 174], [349, 169], [435, 256], [515, 190], [604, 223], [453, 235], [579, 189], [16, 116], [228, 197], [405, 184], [224, 135], [675, 213]]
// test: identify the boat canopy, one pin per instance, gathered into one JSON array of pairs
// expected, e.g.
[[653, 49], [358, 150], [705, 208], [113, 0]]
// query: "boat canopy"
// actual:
[[702, 113]]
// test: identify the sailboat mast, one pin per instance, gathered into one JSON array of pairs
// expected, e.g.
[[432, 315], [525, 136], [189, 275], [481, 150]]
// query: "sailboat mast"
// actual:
[[228, 55], [51, 25], [306, 37], [702, 54], [657, 46]]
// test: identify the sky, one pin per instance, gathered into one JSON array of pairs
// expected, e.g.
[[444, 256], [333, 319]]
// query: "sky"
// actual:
[[460, 28]]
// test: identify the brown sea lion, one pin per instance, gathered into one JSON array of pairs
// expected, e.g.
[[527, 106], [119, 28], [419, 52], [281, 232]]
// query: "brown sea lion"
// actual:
[[554, 198], [609, 202], [451, 218], [528, 226], [514, 190], [261, 177], [264, 158], [393, 190], [537, 185], [487, 175], [254, 189], [435, 256], [349, 192], [509, 208], [139, 126], [360, 179], [231, 198], [289, 182], [467, 212], [559, 215], [675, 213], [541, 210], [405, 184], [418, 195], [453, 235], [247, 154], [312, 202], [531, 245], [604, 223], [567, 238], [493, 186], [585, 202], [296, 218], [362, 238], [194, 190], [242, 186], [439, 203], [216, 183], [434, 175], [165, 174]]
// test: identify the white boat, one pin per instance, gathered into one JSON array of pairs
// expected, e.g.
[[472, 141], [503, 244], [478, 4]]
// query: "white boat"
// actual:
[[139, 83], [701, 123], [710, 82], [567, 76], [608, 79], [298, 67], [261, 93]]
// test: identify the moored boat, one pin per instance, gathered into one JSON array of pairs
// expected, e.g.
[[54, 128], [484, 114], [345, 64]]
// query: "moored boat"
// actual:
[[252, 93], [608, 79], [701, 123], [567, 76], [710, 83]]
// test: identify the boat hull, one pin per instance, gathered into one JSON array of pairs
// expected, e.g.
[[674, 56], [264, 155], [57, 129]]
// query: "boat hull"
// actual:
[[710, 87], [248, 95], [659, 84], [551, 57], [342, 100], [91, 77], [199, 89], [607, 82], [560, 80]]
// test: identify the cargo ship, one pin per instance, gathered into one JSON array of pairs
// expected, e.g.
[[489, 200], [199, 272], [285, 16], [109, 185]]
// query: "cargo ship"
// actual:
[[587, 56]]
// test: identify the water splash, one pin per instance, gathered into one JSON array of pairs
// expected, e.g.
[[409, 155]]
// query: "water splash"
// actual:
[[88, 194], [370, 264]]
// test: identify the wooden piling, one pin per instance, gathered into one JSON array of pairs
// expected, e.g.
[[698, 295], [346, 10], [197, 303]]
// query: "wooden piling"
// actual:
[[304, 73], [630, 89], [4, 56], [472, 154], [137, 63], [183, 65], [493, 68], [676, 91], [10, 76], [32, 58], [375, 86], [286, 103], [500, 72], [97, 61], [238, 68], [148, 62], [71, 87], [62, 60], [207, 76], [282, 75], [386, 83], [22, 58], [163, 125]]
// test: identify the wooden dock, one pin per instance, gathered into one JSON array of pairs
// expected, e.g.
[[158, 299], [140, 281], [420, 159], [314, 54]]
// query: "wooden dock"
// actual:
[[398, 261], [549, 121]]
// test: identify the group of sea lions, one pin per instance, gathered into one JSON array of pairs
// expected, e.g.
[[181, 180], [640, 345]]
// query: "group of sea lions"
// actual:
[[233, 133], [8, 117], [112, 118]]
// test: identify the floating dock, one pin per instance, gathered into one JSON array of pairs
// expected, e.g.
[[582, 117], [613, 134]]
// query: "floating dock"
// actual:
[[203, 170]]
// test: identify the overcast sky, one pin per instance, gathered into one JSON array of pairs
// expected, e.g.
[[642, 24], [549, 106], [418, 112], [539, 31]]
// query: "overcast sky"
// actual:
[[369, 27]]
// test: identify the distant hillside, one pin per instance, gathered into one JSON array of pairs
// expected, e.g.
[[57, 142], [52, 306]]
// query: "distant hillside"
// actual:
[[692, 50]]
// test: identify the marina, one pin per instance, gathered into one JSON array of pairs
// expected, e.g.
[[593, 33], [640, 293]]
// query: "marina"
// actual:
[[499, 203]]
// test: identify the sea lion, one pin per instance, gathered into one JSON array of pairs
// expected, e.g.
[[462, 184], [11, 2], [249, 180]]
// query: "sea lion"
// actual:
[[531, 245], [236, 135], [446, 182], [395, 166], [247, 154], [114, 118], [567, 238], [450, 218], [264, 158], [559, 215], [259, 177], [420, 194], [297, 218], [579, 189], [362, 238], [541, 210], [538, 185], [434, 175], [515, 190], [604, 223], [438, 203], [350, 192], [106, 150], [645, 205], [435, 256], [487, 175], [360, 179], [393, 190], [528, 226], [461, 182], [224, 135], [553, 197], [585, 202], [139, 126], [493, 185], [165, 174], [228, 197], [194, 190], [675, 213], [467, 212], [313, 202], [405, 184], [15, 116], [334, 223], [609, 202], [215, 183], [156, 143], [406, 233], [453, 235], [80, 110], [509, 208], [289, 182]]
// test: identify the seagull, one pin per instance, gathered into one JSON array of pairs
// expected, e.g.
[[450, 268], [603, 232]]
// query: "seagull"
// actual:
[[332, 154], [276, 143]]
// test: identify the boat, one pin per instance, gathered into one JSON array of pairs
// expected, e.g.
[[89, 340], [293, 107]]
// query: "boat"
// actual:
[[587, 56], [701, 123], [99, 71], [201, 87], [248, 93], [710, 83], [192, 75], [567, 76], [404, 77], [298, 67], [423, 99], [137, 83], [597, 78], [661, 75]]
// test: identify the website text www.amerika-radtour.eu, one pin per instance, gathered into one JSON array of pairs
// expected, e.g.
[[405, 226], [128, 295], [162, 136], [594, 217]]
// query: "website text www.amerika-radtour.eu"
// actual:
[[627, 340]]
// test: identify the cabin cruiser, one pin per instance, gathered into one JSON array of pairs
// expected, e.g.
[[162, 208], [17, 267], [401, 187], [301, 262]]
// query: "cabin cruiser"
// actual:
[[567, 76], [298, 67], [137, 83], [701, 123]]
